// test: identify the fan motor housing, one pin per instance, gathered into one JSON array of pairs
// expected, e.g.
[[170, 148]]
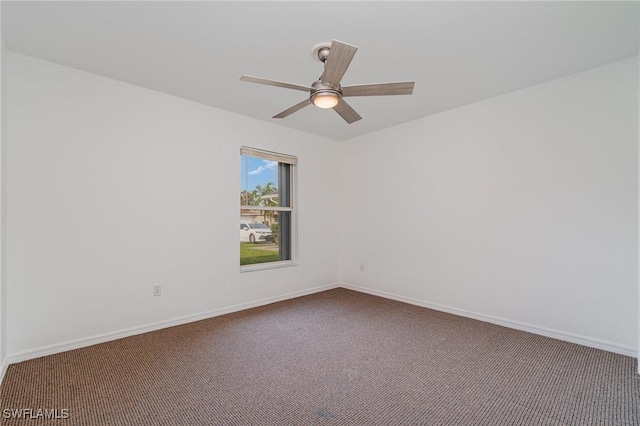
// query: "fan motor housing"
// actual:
[[319, 87], [320, 91]]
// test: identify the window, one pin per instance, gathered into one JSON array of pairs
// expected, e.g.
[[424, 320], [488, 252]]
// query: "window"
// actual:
[[266, 207]]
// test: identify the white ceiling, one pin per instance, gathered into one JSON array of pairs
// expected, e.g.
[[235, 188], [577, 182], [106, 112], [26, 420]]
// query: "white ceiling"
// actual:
[[457, 52]]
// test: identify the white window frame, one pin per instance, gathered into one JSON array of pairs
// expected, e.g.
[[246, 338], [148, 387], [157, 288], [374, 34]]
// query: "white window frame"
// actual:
[[292, 208]]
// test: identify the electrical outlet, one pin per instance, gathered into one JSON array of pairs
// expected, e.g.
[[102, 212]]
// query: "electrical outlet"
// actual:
[[157, 289], [362, 266]]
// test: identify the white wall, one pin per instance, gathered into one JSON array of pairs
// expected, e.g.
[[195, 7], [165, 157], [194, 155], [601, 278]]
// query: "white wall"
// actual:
[[3, 311], [520, 209], [111, 188]]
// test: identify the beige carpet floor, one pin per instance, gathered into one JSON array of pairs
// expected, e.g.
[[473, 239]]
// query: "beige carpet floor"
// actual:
[[332, 358]]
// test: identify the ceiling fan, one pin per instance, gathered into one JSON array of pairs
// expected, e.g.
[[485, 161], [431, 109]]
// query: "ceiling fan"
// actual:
[[326, 92]]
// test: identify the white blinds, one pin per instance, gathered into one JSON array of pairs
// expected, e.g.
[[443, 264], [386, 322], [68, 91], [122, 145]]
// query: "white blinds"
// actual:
[[268, 155]]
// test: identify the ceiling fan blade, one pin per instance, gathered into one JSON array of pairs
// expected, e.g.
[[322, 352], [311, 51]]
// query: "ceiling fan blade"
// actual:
[[346, 112], [340, 56], [276, 83], [297, 107], [379, 89]]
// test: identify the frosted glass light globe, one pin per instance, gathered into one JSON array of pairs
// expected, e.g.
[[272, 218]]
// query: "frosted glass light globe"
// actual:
[[325, 100]]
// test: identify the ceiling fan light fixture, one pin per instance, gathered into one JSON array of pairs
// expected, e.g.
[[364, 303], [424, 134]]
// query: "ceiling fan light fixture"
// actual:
[[325, 100], [327, 92]]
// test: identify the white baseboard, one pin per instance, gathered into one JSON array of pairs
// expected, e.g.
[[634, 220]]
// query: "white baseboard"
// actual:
[[543, 331], [3, 369], [106, 337]]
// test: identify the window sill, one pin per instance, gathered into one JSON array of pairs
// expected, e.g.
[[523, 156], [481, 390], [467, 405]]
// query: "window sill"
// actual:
[[267, 265]]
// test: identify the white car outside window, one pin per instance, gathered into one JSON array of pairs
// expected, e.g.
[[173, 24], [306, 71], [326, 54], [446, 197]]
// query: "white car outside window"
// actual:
[[254, 232]]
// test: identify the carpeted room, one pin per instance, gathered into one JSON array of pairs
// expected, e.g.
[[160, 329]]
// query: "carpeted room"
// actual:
[[509, 197], [335, 357]]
